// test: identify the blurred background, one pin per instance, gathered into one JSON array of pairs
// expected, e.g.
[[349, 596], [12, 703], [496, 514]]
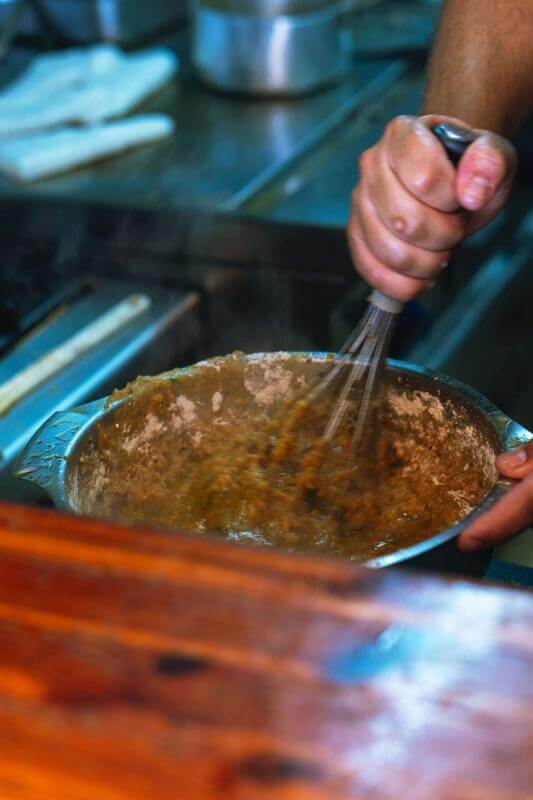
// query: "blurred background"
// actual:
[[229, 219]]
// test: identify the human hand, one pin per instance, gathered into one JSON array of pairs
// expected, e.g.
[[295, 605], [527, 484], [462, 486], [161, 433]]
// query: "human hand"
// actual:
[[411, 206], [512, 513]]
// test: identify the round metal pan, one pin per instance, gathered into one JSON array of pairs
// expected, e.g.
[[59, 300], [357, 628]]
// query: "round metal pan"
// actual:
[[51, 458]]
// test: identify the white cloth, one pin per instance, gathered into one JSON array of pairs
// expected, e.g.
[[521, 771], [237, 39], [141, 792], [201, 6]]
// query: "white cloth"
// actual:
[[43, 154], [82, 87], [53, 72]]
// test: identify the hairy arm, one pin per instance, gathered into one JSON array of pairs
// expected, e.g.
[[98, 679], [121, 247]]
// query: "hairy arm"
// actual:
[[410, 208], [481, 67]]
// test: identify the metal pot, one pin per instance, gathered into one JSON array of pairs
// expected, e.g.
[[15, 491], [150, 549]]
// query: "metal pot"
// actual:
[[269, 47], [121, 21], [52, 458]]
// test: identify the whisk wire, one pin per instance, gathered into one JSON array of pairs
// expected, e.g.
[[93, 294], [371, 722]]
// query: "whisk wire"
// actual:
[[356, 372], [349, 348], [363, 351], [381, 342]]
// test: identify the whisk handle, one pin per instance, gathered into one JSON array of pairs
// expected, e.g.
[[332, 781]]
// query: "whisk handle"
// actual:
[[454, 138], [385, 303]]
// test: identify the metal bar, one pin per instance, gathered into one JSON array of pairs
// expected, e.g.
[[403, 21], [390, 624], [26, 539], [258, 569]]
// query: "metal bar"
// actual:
[[50, 363], [442, 347]]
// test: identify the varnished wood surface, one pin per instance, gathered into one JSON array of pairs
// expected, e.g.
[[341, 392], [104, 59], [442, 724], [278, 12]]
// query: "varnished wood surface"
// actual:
[[143, 666]]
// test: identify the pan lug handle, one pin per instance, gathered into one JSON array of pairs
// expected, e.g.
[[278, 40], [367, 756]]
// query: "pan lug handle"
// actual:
[[518, 435], [44, 459], [512, 434]]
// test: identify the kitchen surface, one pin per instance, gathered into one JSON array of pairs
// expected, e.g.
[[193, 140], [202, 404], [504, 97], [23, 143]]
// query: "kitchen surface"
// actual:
[[200, 215], [140, 665]]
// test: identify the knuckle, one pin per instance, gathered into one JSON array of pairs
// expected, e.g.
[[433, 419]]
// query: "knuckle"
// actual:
[[391, 128], [412, 228], [396, 125], [425, 180], [399, 223], [364, 160], [405, 119], [430, 232]]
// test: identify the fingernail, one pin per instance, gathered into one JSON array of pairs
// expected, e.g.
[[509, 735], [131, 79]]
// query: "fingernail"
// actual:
[[515, 458], [477, 192]]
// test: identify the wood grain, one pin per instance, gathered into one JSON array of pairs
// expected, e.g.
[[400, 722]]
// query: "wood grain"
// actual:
[[141, 665]]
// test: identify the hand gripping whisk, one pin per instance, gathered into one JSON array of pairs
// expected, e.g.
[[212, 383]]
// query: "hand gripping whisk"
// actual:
[[363, 356]]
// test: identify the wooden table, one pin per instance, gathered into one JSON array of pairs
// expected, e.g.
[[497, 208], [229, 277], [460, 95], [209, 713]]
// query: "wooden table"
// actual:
[[136, 664]]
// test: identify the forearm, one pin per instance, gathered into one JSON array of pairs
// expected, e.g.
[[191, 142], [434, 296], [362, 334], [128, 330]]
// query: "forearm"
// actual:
[[481, 67]]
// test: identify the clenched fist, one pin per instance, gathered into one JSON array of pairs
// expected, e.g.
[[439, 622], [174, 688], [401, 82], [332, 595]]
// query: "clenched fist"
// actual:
[[411, 206]]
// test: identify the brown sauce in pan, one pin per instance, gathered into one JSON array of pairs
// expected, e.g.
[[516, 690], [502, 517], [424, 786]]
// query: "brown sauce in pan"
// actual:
[[270, 477]]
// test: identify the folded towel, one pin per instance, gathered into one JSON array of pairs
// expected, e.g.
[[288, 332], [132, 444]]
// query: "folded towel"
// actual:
[[82, 87], [51, 72], [44, 154]]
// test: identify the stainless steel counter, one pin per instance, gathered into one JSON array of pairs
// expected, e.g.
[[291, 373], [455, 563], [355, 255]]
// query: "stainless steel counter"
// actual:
[[317, 188], [224, 148], [281, 159]]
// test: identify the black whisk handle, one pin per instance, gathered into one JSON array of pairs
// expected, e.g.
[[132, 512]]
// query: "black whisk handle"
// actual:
[[454, 138]]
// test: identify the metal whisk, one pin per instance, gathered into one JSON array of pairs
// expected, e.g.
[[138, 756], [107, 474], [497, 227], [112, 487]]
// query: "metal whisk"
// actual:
[[364, 354]]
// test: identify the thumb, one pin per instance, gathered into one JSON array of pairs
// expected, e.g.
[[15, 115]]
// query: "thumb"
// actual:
[[517, 463], [485, 173]]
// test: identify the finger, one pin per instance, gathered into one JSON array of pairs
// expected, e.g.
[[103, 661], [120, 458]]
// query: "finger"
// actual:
[[393, 284], [485, 174], [508, 517], [517, 463], [419, 161], [393, 252], [404, 215]]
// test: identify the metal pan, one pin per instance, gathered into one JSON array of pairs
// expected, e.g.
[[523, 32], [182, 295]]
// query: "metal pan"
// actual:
[[52, 457]]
